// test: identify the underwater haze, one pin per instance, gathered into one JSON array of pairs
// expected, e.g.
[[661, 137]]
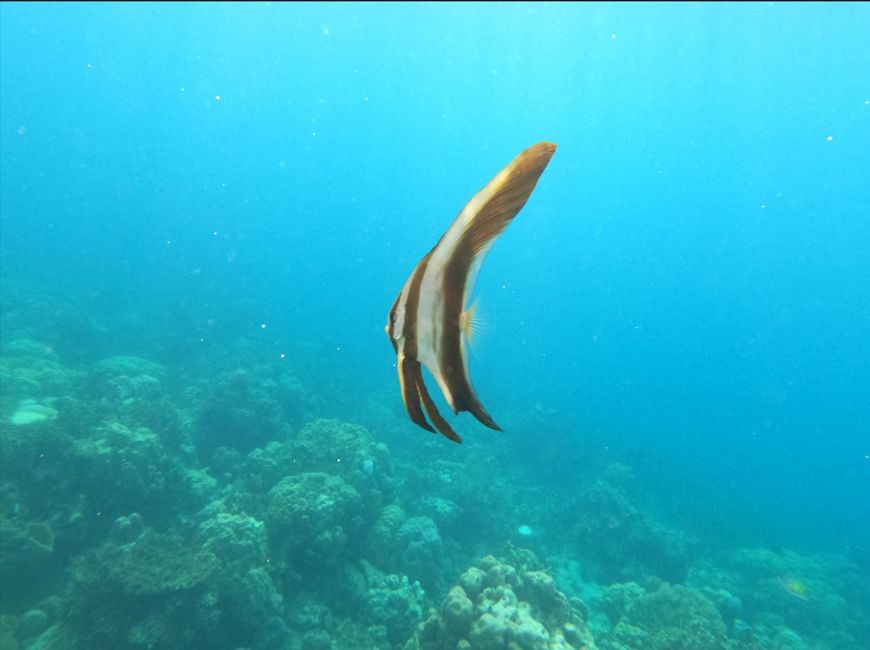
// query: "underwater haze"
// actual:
[[207, 212]]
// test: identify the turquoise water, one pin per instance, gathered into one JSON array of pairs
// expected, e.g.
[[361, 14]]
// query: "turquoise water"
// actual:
[[207, 212]]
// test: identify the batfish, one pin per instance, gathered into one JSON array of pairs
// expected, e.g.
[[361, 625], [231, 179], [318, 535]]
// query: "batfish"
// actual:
[[430, 321]]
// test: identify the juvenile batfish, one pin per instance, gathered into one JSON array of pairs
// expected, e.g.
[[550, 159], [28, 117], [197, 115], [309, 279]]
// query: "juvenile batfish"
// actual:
[[429, 317]]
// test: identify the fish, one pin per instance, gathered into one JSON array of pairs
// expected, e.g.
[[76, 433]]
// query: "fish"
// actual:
[[429, 322], [795, 588]]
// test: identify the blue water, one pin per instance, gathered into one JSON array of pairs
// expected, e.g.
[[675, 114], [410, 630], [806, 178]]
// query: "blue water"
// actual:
[[688, 286]]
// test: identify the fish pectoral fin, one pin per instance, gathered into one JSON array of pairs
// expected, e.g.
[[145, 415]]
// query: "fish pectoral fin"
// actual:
[[410, 376], [439, 422], [469, 322]]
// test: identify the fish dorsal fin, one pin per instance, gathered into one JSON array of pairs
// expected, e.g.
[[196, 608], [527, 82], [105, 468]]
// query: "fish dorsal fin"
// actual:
[[487, 214], [491, 210]]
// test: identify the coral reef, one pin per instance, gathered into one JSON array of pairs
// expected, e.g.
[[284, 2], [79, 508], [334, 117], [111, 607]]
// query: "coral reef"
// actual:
[[418, 548], [29, 411], [32, 313], [311, 516], [380, 536], [623, 541], [7, 632], [23, 547], [159, 591], [451, 494], [662, 617], [30, 373], [145, 593], [247, 408], [240, 414], [125, 469], [128, 390], [392, 605], [345, 450], [151, 564], [238, 540], [494, 606], [787, 598], [148, 505]]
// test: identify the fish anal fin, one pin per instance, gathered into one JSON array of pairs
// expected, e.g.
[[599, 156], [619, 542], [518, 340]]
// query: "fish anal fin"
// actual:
[[440, 423], [410, 376]]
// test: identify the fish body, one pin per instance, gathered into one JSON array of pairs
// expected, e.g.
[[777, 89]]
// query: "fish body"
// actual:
[[429, 319]]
